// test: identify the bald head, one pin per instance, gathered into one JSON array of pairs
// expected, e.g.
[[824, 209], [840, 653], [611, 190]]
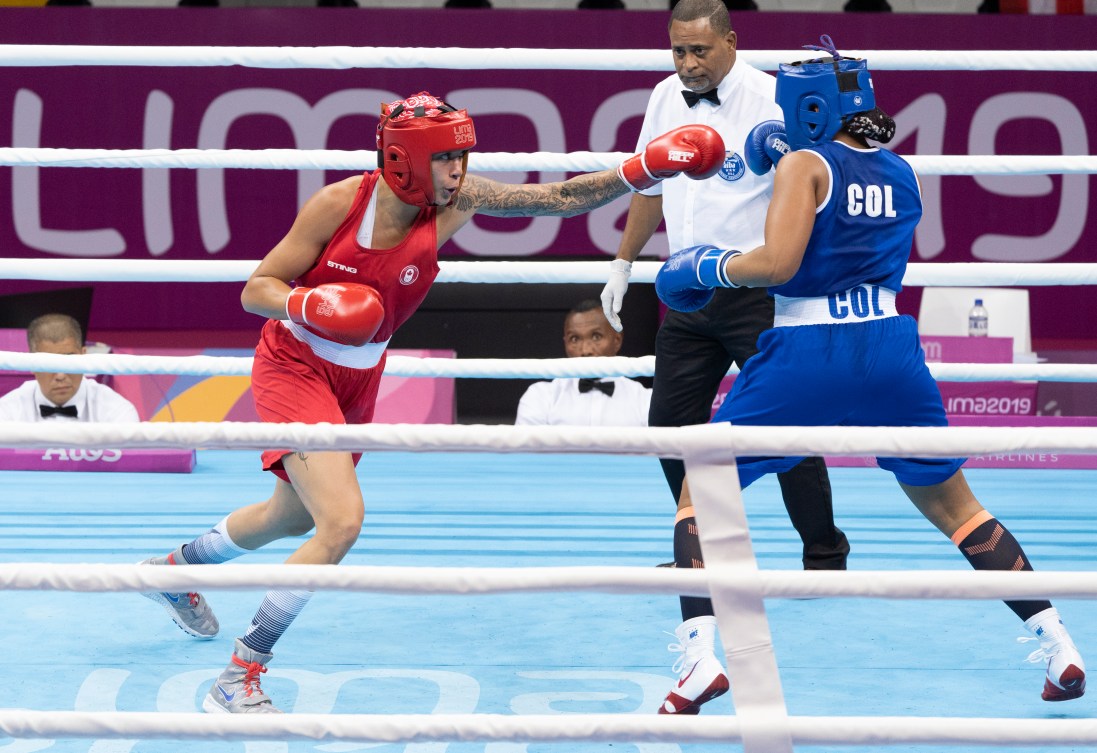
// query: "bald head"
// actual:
[[53, 328]]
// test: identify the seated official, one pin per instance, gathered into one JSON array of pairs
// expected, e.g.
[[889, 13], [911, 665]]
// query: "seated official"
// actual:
[[615, 401], [67, 397]]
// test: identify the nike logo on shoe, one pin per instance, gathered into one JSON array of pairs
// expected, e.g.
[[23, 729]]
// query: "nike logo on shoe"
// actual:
[[228, 698], [1071, 685], [173, 598], [682, 681]]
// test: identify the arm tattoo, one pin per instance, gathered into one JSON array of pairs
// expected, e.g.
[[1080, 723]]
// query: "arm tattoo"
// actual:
[[567, 199]]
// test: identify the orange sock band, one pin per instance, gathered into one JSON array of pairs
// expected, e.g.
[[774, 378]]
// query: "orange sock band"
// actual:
[[976, 520], [685, 512]]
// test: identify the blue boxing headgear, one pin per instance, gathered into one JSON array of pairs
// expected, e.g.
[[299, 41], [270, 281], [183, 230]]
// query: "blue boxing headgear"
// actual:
[[818, 96]]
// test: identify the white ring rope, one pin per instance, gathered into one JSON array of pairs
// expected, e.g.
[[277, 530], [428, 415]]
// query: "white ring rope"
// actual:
[[714, 443], [954, 274], [327, 159], [441, 581], [495, 58], [388, 728], [406, 366], [494, 368], [334, 159]]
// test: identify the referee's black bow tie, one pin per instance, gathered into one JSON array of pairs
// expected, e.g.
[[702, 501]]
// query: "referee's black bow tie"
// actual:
[[606, 388], [54, 410], [692, 98]]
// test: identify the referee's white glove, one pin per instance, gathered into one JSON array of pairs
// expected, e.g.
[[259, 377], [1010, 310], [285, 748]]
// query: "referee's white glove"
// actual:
[[613, 294]]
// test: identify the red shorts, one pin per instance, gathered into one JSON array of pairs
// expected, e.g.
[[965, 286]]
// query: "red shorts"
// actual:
[[290, 383]]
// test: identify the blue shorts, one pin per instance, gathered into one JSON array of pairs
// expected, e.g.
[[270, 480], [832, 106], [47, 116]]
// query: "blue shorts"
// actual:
[[866, 374]]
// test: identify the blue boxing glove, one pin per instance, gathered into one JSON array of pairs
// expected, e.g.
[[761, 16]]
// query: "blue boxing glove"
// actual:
[[686, 281], [766, 145]]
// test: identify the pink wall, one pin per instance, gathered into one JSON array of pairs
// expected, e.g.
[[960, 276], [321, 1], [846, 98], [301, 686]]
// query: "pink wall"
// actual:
[[240, 214]]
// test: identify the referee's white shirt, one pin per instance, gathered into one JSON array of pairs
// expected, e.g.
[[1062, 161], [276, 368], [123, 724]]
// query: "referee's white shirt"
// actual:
[[94, 402], [560, 403], [729, 209]]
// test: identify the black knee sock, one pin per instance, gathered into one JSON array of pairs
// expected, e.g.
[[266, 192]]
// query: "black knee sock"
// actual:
[[687, 554], [987, 545]]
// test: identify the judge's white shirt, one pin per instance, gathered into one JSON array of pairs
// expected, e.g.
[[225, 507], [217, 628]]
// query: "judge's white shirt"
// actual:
[[94, 402], [559, 403]]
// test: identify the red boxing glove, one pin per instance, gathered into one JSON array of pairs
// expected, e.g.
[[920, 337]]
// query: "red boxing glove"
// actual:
[[344, 312], [696, 150]]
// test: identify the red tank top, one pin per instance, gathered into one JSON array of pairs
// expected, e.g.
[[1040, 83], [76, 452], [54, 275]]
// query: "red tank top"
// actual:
[[402, 274]]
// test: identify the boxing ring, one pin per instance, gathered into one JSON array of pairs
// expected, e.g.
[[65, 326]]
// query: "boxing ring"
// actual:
[[526, 554]]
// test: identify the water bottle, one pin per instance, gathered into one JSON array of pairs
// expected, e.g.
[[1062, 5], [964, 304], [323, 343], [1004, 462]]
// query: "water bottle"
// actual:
[[977, 320]]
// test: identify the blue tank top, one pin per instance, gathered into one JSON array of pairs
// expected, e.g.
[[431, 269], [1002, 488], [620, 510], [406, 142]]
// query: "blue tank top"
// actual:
[[864, 232]]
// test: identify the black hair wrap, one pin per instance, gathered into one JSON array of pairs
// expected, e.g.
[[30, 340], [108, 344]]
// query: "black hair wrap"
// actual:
[[875, 125]]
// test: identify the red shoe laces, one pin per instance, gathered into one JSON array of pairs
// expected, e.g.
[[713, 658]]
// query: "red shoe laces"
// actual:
[[252, 670]]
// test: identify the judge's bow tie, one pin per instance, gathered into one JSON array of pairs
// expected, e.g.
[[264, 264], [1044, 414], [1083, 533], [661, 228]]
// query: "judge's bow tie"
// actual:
[[586, 385], [692, 98], [54, 410]]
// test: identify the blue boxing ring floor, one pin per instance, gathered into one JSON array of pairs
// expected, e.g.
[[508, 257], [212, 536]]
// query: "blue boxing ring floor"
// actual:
[[520, 654]]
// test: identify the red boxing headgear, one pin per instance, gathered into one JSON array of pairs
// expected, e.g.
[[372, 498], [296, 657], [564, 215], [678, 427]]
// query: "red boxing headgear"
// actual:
[[411, 131]]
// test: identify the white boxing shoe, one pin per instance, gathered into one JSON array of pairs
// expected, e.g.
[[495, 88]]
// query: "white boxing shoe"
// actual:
[[1066, 672], [701, 676]]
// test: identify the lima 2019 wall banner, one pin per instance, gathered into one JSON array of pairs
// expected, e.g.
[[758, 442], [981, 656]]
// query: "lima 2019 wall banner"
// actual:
[[241, 214]]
